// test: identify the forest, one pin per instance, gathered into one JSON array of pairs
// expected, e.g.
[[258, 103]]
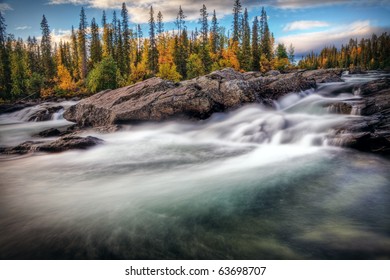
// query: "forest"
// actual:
[[113, 55]]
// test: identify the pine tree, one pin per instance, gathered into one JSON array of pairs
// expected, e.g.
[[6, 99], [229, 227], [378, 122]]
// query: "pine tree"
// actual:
[[75, 56], [153, 53], [5, 71], [236, 20], [47, 60], [82, 45], [107, 37], [291, 54], [245, 56], [204, 48], [160, 23], [18, 70], [255, 45], [266, 38], [126, 39], [214, 36], [180, 22], [95, 45]]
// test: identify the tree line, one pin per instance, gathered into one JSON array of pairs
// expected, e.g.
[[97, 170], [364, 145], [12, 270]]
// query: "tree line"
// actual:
[[113, 54], [367, 54]]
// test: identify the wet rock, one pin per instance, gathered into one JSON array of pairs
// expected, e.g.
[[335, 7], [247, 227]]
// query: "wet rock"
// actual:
[[10, 108], [156, 99], [371, 132], [324, 75], [45, 114], [60, 145], [51, 132], [70, 143]]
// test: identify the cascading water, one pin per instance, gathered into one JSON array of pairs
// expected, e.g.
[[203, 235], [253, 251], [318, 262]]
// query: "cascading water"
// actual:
[[254, 183]]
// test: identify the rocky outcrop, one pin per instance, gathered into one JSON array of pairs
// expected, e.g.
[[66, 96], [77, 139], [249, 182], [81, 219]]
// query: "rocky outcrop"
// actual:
[[156, 99], [60, 145], [45, 114], [371, 132]]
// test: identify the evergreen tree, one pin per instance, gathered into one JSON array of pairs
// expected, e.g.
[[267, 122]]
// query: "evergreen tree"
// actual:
[[107, 37], [236, 20], [75, 55], [5, 71], [291, 54], [153, 53], [214, 36], [114, 35], [245, 56], [47, 60], [255, 45], [126, 39], [82, 44], [160, 23], [95, 45], [266, 38], [180, 22], [18, 70], [204, 48]]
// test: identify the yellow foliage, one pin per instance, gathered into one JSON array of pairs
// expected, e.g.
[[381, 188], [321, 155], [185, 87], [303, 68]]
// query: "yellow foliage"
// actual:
[[229, 57], [64, 79], [281, 63], [168, 71], [265, 64]]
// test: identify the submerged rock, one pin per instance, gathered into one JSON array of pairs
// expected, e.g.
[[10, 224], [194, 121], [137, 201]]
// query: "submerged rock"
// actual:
[[156, 99], [60, 145], [45, 114]]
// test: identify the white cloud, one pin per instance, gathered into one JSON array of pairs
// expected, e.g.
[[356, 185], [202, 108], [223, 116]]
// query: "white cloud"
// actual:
[[138, 9], [304, 25], [25, 27], [305, 42], [5, 7]]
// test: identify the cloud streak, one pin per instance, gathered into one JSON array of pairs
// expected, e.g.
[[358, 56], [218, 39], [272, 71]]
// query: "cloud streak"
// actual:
[[306, 42], [304, 25], [138, 9], [25, 27], [5, 7]]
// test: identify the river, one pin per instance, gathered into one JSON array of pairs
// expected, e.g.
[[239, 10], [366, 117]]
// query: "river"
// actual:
[[253, 183]]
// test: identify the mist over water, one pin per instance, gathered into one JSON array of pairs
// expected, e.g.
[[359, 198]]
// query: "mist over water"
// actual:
[[253, 183]]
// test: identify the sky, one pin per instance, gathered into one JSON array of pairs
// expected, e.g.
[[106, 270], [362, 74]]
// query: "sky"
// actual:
[[307, 24]]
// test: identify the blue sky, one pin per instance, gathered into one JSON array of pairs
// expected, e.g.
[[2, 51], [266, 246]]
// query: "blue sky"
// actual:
[[305, 23]]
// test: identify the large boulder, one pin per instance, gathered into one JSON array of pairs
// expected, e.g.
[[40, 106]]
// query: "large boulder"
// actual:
[[370, 132], [156, 99]]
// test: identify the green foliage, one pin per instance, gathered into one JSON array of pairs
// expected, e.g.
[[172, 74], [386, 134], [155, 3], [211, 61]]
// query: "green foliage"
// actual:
[[103, 76], [195, 66]]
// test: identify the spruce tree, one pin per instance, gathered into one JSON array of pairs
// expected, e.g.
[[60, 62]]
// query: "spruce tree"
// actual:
[[245, 56], [82, 44], [180, 22], [160, 23], [204, 48], [5, 71], [236, 20], [214, 36], [153, 53], [75, 55], [95, 45], [107, 37], [47, 60], [255, 45], [125, 39]]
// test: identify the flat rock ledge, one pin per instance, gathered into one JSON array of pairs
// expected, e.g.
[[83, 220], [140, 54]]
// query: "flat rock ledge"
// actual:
[[60, 145], [157, 100]]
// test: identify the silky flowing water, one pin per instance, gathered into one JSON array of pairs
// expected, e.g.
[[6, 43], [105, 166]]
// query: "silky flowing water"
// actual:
[[253, 183]]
